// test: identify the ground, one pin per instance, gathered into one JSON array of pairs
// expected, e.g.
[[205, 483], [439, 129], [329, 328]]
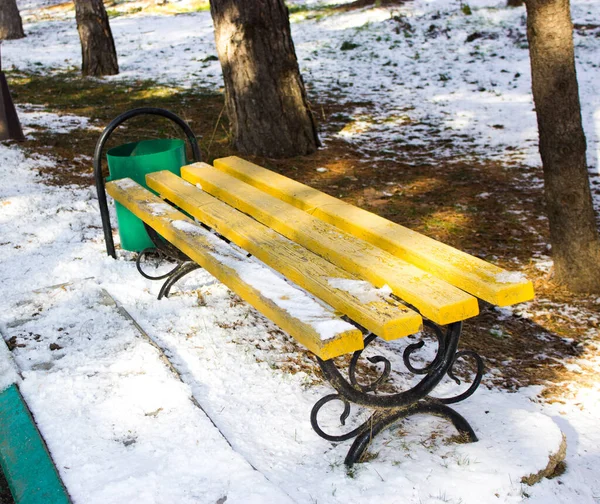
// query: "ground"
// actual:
[[426, 118]]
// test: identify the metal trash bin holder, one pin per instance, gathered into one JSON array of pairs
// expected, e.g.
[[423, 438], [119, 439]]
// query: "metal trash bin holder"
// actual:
[[135, 160]]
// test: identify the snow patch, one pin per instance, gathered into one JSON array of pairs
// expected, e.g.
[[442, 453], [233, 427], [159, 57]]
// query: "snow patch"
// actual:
[[30, 117], [364, 291], [159, 209], [510, 277], [190, 228], [126, 183]]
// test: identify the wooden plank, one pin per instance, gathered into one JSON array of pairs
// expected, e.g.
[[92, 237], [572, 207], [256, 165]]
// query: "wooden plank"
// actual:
[[24, 458], [386, 318], [480, 278], [434, 298], [315, 326]]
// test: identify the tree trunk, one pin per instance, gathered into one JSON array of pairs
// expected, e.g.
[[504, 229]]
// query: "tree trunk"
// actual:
[[573, 228], [11, 26], [265, 97], [514, 3], [99, 56]]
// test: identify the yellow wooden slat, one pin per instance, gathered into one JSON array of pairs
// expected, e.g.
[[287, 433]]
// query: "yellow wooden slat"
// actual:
[[293, 310], [386, 318], [478, 277], [434, 298]]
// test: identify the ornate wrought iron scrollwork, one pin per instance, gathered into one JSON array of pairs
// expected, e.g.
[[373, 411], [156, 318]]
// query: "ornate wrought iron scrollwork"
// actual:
[[345, 414], [476, 380], [416, 346], [373, 360], [149, 251], [165, 251], [391, 407]]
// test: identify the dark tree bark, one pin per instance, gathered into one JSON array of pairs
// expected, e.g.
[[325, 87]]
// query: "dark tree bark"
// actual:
[[99, 56], [11, 26], [265, 96], [573, 228], [514, 3]]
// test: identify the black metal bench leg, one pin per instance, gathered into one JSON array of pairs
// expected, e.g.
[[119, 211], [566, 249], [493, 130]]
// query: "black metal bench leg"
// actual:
[[380, 420], [176, 275], [390, 408], [167, 251]]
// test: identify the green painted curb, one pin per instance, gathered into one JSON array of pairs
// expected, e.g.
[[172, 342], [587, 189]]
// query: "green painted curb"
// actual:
[[26, 463]]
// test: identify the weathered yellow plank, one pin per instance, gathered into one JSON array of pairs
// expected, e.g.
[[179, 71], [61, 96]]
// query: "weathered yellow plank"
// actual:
[[434, 298], [480, 278], [386, 318], [314, 325]]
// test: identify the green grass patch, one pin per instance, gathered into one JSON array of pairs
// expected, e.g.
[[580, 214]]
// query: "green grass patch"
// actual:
[[313, 11], [299, 8], [114, 13]]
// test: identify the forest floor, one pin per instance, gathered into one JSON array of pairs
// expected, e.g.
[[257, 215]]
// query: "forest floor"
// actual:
[[427, 120]]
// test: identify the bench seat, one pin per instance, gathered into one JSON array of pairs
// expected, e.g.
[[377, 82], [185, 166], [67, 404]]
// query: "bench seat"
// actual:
[[324, 246]]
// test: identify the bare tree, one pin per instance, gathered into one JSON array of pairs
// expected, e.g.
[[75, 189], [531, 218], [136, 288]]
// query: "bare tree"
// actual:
[[573, 228], [265, 95], [99, 56], [11, 26]]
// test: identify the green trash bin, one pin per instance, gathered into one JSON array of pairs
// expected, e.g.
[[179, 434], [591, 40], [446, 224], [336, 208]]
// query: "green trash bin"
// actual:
[[135, 160]]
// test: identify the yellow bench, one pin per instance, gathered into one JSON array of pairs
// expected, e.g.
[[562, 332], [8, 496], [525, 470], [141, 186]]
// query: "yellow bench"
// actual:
[[326, 272]]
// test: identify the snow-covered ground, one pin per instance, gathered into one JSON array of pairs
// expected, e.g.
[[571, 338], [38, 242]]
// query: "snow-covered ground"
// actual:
[[122, 428]]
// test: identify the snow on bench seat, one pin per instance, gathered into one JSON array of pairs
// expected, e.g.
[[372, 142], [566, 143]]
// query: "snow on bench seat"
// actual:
[[314, 325]]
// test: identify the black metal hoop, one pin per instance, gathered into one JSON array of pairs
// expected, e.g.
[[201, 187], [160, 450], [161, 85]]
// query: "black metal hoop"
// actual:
[[100, 187]]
